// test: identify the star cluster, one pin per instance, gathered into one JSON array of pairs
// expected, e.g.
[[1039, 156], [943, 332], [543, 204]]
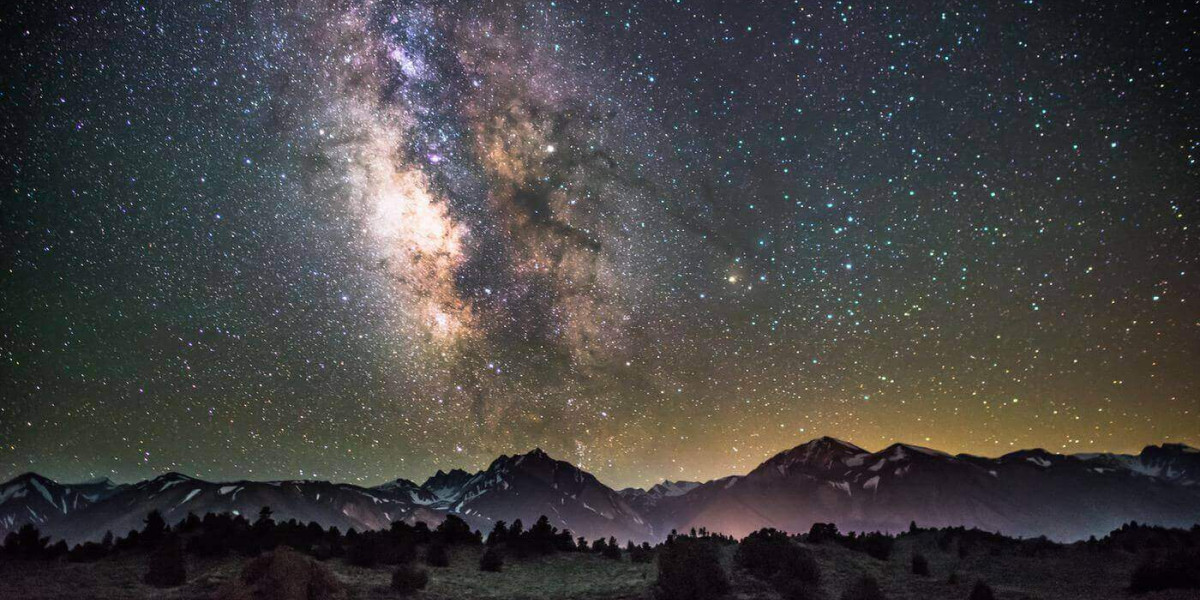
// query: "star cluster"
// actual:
[[357, 240]]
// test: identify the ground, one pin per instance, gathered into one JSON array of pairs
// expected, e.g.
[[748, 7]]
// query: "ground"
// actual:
[[1065, 574]]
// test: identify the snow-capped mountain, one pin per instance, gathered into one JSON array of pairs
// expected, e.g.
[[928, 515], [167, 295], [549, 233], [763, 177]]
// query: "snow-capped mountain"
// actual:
[[445, 485], [527, 486], [403, 487], [644, 500], [175, 495], [1028, 492], [1171, 462], [31, 498]]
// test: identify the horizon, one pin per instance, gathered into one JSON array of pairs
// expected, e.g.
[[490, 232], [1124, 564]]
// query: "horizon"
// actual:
[[421, 480]]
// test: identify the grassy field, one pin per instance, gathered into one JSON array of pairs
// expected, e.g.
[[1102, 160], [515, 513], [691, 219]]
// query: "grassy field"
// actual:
[[1062, 574]]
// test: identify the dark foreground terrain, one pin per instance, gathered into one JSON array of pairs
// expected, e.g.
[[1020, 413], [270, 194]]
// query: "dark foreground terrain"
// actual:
[[1013, 569]]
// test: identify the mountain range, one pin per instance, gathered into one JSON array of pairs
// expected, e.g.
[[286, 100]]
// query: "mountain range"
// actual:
[[1024, 493]]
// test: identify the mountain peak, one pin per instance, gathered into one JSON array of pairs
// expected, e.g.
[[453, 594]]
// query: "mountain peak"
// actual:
[[820, 453], [908, 449], [27, 476], [824, 445], [1170, 448], [173, 477], [826, 441]]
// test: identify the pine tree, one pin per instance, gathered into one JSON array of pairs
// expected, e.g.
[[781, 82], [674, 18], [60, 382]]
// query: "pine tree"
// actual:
[[155, 529], [499, 534]]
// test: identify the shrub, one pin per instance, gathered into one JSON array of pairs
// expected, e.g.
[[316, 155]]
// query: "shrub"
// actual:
[[491, 561], [690, 569], [866, 588], [981, 591], [1177, 570], [758, 553], [283, 574], [166, 567], [770, 554], [436, 555], [920, 565], [407, 579], [820, 533], [877, 545]]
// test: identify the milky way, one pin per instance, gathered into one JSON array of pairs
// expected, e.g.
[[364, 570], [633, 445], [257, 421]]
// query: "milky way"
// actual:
[[362, 240]]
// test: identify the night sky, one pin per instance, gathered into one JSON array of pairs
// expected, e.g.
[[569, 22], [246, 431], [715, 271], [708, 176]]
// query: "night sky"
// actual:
[[358, 241]]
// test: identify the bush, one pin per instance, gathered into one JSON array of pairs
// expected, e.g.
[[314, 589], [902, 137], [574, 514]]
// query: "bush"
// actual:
[[1178, 570], [407, 579], [877, 545], [491, 561], [436, 555], [866, 588], [920, 565], [283, 574], [690, 569], [759, 552], [769, 554], [166, 567], [982, 591]]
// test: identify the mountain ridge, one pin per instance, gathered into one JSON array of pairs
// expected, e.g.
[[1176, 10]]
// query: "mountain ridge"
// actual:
[[1024, 492]]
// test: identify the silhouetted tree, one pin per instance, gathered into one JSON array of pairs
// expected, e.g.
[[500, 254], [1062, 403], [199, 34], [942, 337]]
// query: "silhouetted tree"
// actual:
[[690, 569], [155, 529], [769, 554], [492, 560], [641, 554], [26, 543], [540, 538], [499, 534], [453, 530], [820, 533], [612, 550]]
